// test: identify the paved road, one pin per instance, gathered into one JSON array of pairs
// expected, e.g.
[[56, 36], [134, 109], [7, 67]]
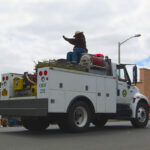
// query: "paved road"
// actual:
[[115, 136]]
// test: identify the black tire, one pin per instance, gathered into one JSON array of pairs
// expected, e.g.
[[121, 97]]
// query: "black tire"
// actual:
[[35, 123], [78, 118], [142, 116], [100, 121]]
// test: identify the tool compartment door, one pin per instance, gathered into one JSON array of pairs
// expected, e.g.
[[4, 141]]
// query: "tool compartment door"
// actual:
[[106, 95], [101, 106], [110, 95]]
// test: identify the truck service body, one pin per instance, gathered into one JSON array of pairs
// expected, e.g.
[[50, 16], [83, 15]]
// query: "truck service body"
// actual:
[[73, 98]]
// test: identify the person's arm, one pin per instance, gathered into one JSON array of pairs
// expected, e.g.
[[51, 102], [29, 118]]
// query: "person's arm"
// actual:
[[70, 40]]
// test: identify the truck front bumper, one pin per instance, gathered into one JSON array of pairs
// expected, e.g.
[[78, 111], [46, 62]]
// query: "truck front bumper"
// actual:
[[25, 107]]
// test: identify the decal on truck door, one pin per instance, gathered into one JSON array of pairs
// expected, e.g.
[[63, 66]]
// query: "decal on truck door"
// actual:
[[124, 93]]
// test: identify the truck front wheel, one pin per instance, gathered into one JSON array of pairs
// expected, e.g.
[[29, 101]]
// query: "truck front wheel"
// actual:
[[35, 123], [78, 118], [141, 119]]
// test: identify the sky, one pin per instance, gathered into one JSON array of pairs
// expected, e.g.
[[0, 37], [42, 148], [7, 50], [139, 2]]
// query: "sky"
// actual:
[[31, 30]]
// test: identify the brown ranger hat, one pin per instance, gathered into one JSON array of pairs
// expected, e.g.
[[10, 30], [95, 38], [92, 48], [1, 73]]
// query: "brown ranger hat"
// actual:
[[77, 32]]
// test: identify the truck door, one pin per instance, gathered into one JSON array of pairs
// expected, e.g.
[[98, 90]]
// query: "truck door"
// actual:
[[125, 91]]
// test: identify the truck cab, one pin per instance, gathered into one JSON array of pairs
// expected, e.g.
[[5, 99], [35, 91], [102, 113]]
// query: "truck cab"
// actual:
[[128, 95], [126, 90]]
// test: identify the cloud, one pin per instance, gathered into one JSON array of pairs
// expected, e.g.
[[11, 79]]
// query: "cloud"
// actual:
[[32, 30]]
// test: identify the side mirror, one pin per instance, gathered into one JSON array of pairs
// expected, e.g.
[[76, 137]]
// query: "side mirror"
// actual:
[[135, 74]]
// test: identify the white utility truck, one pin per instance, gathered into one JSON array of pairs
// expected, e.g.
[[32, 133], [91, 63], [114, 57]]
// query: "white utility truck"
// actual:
[[73, 96]]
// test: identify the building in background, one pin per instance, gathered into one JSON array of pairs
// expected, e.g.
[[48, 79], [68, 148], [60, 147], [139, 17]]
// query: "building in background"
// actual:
[[144, 83]]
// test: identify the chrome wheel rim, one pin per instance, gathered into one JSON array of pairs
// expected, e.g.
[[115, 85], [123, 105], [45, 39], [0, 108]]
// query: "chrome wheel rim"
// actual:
[[141, 114], [80, 116]]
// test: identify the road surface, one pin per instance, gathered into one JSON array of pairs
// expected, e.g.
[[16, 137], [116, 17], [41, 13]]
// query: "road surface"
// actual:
[[115, 136]]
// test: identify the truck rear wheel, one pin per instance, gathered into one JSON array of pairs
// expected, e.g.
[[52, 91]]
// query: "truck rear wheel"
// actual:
[[99, 121], [35, 123], [141, 119], [78, 119]]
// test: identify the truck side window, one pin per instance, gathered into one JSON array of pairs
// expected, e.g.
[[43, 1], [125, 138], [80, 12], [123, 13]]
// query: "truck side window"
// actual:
[[121, 74]]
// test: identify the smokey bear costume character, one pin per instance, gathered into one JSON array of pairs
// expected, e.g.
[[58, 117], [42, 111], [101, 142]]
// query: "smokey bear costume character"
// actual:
[[79, 43]]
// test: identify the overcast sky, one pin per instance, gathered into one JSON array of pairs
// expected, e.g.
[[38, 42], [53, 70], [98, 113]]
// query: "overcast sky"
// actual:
[[31, 30]]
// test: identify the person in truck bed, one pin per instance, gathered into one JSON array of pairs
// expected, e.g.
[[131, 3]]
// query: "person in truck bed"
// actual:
[[79, 43]]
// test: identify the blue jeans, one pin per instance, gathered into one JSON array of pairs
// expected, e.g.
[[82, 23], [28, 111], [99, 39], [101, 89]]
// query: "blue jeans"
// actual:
[[73, 56]]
